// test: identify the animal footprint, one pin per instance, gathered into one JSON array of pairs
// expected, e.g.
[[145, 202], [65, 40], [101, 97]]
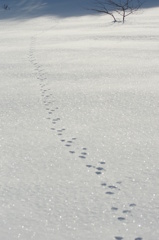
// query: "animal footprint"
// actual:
[[121, 218], [102, 162], [114, 208], [84, 153], [132, 205], [109, 193], [126, 211], [112, 187], [103, 184], [100, 168], [118, 238], [59, 130], [72, 152], [89, 166], [119, 182], [82, 157]]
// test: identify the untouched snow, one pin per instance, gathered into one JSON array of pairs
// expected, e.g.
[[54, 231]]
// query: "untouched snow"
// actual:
[[79, 129]]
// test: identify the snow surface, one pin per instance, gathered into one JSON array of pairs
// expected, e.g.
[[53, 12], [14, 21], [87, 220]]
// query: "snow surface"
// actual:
[[79, 124]]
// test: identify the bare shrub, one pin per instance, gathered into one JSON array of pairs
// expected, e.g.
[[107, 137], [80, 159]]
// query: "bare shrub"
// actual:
[[115, 8]]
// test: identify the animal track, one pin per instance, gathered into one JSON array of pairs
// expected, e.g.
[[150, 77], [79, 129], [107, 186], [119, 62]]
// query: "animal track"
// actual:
[[119, 182], [121, 218], [52, 108], [72, 152], [103, 184], [59, 130], [126, 211], [84, 153], [114, 208], [132, 205], [110, 193], [89, 166], [100, 168], [82, 157], [119, 238], [112, 187]]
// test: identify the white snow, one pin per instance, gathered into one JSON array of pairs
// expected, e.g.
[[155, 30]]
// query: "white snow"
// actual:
[[79, 123]]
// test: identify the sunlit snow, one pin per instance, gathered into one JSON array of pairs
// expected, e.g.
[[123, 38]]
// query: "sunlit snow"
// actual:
[[79, 122]]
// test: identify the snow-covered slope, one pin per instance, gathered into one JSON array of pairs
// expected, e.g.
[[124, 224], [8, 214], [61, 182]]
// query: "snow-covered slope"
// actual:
[[78, 124]]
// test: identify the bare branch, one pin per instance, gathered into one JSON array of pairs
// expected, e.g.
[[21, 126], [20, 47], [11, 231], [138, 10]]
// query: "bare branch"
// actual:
[[121, 7]]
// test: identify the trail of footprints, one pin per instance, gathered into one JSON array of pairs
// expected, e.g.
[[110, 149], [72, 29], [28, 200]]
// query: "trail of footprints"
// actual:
[[49, 101]]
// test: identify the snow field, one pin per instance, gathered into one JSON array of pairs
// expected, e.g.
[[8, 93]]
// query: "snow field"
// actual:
[[79, 104]]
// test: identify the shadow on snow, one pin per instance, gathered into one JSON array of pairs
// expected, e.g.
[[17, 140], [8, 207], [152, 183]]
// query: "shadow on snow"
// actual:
[[26, 9]]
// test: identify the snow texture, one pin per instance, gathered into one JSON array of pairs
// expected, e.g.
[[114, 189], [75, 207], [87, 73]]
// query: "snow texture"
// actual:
[[79, 123]]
